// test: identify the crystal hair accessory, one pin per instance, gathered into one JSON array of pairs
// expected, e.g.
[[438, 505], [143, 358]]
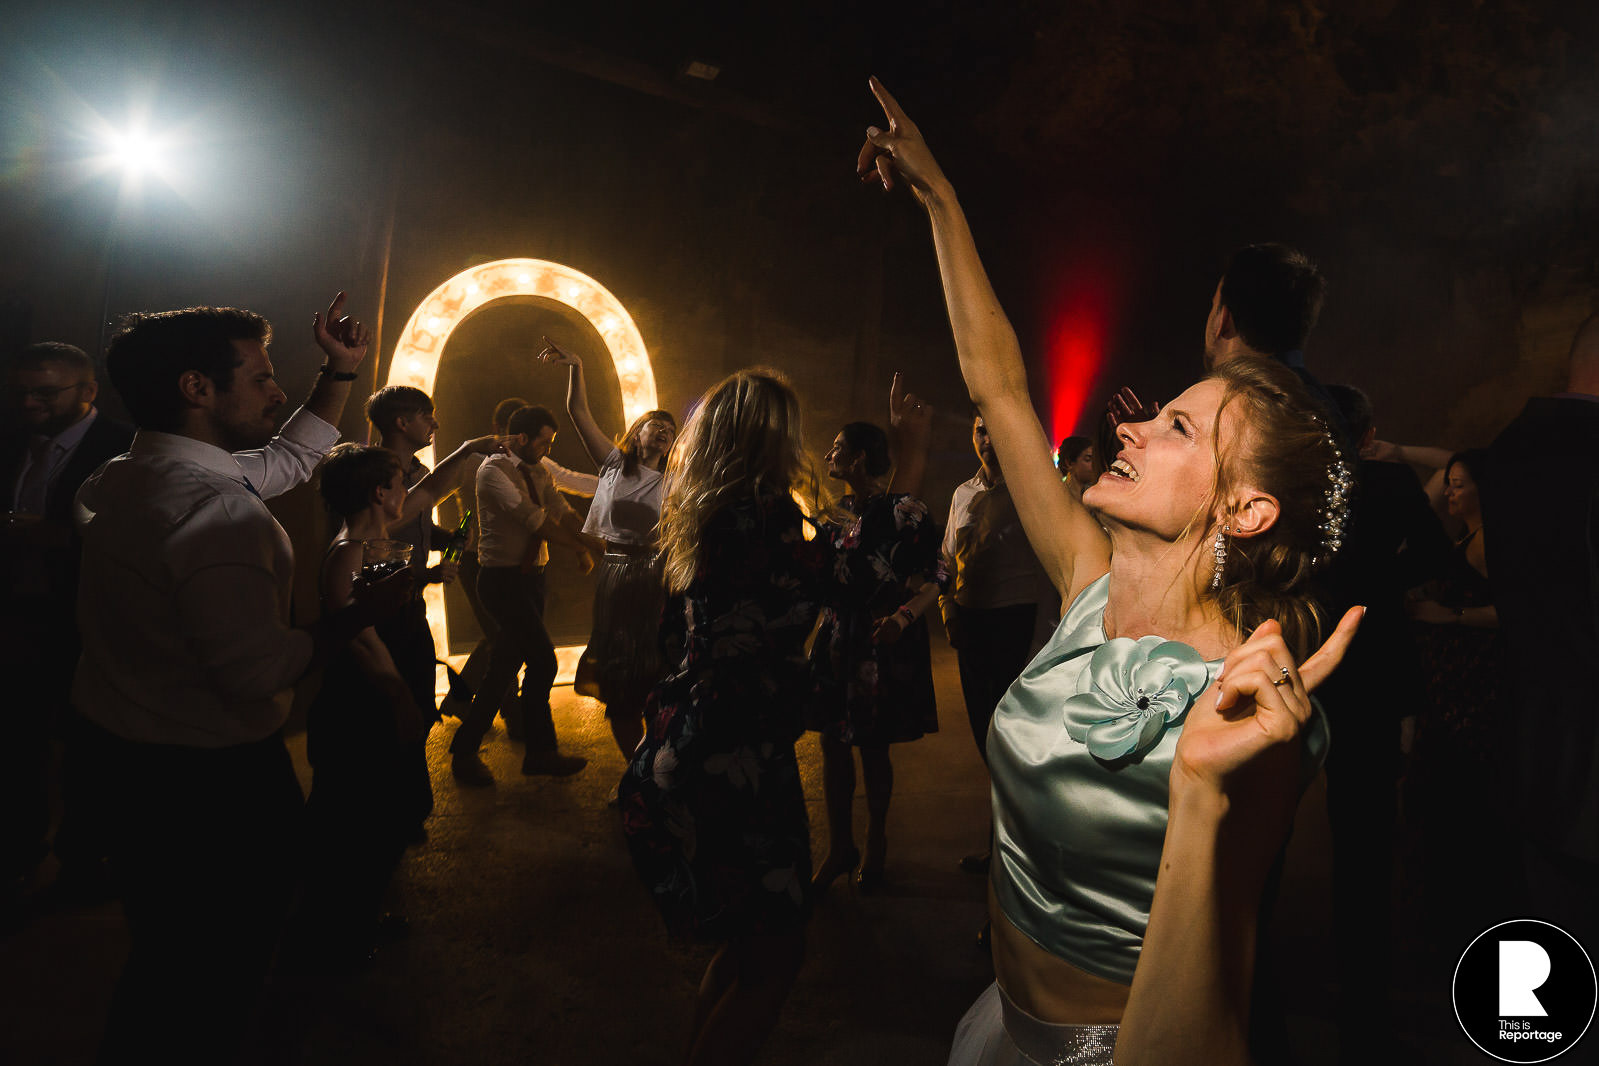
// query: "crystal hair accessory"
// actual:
[[1335, 504]]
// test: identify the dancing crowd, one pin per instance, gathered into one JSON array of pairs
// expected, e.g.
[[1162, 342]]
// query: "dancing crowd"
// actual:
[[1139, 618]]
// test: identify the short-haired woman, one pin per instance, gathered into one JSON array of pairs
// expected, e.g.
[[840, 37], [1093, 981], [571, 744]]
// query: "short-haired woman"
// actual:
[[365, 734]]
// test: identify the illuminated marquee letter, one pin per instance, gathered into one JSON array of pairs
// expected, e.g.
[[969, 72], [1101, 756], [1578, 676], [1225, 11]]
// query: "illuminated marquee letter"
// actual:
[[421, 344]]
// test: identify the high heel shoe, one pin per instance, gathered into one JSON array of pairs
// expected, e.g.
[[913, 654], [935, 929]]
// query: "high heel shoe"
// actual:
[[870, 876], [831, 869]]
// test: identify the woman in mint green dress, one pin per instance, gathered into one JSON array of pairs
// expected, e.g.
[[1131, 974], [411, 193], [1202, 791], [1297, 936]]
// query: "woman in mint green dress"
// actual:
[[1165, 730]]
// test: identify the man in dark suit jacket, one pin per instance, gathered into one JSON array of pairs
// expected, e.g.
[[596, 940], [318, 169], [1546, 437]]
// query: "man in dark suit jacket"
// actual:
[[56, 438], [1541, 499], [1393, 542]]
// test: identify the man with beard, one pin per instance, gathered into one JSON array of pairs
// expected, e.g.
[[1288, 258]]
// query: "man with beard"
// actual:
[[570, 482], [58, 438], [520, 511], [189, 660]]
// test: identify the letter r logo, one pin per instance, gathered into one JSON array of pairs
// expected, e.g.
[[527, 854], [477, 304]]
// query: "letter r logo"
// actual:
[[1523, 968]]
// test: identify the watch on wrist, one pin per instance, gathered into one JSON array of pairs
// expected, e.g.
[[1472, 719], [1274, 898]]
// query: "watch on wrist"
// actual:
[[337, 375]]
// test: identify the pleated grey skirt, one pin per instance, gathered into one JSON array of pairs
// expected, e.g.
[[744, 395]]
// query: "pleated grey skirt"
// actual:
[[623, 659]]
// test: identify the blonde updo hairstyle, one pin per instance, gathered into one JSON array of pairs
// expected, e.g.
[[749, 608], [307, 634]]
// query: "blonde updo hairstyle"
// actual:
[[743, 440], [1284, 447]]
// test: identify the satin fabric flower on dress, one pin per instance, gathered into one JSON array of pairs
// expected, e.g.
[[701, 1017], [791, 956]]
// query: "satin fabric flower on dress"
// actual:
[[1136, 689]]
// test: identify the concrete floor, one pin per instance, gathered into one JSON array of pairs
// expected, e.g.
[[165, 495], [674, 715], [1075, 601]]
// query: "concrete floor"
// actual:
[[532, 942]]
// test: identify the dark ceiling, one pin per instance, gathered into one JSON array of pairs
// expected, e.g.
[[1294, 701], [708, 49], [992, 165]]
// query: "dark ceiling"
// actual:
[[1438, 157]]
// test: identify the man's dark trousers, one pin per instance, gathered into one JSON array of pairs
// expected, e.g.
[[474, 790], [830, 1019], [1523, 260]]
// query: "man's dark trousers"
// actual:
[[514, 599]]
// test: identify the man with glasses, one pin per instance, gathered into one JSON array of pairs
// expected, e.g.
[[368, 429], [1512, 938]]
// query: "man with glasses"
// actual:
[[52, 390], [55, 439]]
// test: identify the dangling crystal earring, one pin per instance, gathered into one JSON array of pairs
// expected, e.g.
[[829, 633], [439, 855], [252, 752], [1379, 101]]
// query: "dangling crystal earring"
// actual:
[[1221, 556]]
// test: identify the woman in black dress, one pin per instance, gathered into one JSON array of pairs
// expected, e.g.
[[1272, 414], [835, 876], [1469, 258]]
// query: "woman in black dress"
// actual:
[[1463, 728], [874, 677], [365, 732]]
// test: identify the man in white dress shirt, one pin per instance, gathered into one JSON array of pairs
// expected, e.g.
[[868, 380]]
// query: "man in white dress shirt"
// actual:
[[189, 659], [1000, 606], [520, 512], [572, 483]]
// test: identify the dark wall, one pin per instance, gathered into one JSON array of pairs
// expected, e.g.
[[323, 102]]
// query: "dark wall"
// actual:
[[1436, 158]]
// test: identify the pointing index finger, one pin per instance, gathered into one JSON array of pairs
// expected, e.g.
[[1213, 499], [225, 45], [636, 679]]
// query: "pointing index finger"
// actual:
[[891, 108], [1316, 669]]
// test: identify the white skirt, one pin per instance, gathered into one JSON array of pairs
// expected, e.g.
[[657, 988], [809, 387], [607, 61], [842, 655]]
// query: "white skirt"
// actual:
[[996, 1032]]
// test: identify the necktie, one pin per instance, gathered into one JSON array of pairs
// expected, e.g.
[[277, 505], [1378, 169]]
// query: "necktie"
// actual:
[[34, 491], [253, 490]]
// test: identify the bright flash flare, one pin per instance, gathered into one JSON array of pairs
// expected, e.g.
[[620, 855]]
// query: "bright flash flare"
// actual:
[[135, 153]]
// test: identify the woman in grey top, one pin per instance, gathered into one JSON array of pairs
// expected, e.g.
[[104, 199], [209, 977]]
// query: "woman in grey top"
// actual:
[[622, 661]]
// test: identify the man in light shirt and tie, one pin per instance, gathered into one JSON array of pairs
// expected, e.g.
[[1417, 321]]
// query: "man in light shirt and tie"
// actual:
[[520, 511]]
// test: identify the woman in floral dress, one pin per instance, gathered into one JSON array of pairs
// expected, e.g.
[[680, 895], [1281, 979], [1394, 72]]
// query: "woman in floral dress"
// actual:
[[711, 804], [874, 677]]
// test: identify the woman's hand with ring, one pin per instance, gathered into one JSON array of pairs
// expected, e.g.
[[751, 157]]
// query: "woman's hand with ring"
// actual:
[[1243, 743]]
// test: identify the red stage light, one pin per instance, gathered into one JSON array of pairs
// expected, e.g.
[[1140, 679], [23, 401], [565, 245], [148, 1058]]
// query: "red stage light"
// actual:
[[1078, 339]]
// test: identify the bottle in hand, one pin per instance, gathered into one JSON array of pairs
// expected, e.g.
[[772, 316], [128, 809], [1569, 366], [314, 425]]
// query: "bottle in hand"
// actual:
[[457, 543]]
